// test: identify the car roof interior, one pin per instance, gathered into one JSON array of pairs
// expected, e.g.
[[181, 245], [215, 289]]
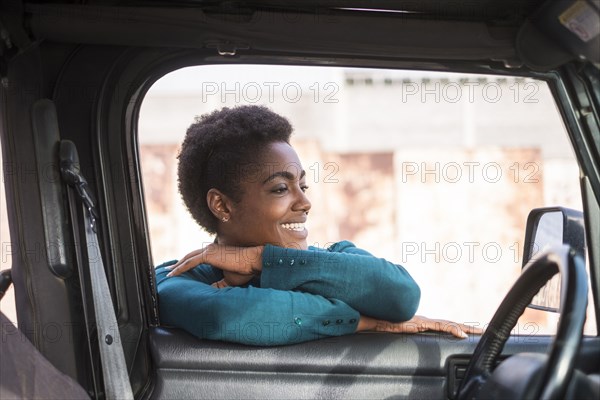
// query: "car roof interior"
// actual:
[[512, 33]]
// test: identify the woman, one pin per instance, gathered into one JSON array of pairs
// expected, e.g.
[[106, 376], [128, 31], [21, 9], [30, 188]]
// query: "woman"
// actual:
[[260, 283]]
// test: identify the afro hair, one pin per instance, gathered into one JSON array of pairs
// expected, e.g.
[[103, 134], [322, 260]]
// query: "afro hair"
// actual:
[[215, 150]]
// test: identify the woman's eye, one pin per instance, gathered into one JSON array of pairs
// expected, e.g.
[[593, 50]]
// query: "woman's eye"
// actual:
[[283, 189]]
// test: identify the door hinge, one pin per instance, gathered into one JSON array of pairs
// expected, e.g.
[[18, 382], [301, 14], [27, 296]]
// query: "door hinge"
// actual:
[[227, 48]]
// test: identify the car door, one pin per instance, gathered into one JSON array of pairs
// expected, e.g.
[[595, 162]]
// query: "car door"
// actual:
[[96, 64]]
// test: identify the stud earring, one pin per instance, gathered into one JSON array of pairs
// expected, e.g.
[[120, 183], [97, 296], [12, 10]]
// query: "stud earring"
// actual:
[[224, 219]]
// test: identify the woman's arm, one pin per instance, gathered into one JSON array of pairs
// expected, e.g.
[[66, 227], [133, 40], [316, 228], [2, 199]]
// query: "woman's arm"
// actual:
[[373, 286], [190, 303], [254, 316], [370, 285]]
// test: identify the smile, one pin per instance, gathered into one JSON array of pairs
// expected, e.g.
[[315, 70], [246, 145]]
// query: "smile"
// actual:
[[294, 226]]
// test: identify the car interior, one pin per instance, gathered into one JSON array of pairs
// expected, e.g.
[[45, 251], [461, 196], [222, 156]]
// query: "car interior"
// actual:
[[74, 76]]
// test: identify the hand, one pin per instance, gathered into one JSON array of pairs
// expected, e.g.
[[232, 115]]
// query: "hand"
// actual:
[[232, 279], [418, 324], [241, 260]]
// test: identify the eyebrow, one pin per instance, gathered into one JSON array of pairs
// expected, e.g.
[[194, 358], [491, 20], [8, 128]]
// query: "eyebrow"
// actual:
[[284, 174]]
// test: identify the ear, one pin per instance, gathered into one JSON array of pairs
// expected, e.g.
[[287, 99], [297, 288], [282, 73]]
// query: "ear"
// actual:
[[219, 204]]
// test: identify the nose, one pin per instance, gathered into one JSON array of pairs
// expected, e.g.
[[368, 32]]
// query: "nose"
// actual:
[[302, 202]]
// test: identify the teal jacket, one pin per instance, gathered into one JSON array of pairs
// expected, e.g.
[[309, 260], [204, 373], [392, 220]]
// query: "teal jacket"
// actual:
[[301, 295]]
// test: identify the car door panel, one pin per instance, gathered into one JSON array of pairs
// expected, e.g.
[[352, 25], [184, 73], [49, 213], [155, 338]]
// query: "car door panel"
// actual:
[[365, 365]]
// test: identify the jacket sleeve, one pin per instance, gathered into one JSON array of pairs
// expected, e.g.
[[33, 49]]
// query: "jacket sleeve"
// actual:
[[372, 286], [250, 315]]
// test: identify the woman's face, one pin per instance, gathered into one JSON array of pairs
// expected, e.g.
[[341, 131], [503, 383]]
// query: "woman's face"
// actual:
[[273, 207]]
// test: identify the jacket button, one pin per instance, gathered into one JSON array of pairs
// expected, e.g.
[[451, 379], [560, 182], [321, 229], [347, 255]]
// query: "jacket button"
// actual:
[[353, 320], [292, 261], [339, 321], [298, 321], [302, 262], [326, 322], [280, 261]]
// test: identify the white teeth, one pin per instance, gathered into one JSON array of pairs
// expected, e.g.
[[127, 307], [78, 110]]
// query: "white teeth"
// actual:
[[294, 226]]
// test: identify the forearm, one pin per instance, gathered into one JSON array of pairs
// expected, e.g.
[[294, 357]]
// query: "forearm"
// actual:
[[254, 316]]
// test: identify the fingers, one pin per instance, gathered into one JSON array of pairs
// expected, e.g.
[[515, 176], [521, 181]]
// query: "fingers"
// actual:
[[422, 324], [456, 329], [185, 266], [186, 258], [220, 284], [189, 261], [472, 329]]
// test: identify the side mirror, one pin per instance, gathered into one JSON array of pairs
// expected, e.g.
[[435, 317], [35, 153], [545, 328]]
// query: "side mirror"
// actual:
[[549, 227]]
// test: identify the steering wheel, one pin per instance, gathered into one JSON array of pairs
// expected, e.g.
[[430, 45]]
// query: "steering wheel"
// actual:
[[529, 375]]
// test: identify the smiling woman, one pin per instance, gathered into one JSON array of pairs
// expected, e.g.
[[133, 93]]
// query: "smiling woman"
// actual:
[[275, 205], [242, 181], [243, 157]]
